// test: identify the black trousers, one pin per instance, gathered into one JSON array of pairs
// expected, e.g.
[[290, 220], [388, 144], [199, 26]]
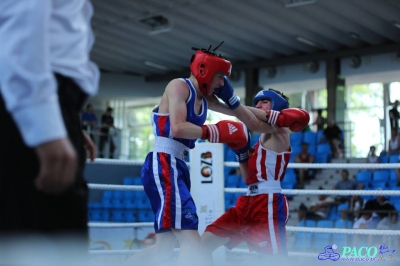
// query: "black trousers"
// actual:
[[102, 142], [23, 209]]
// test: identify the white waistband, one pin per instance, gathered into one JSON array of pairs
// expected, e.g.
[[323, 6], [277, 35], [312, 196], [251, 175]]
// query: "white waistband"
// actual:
[[172, 147], [264, 187]]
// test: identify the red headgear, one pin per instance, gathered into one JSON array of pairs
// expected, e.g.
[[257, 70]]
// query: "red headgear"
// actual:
[[204, 65]]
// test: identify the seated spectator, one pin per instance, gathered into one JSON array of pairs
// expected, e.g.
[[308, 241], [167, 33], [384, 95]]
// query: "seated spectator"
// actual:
[[381, 205], [344, 184], [355, 206], [372, 157], [333, 135], [304, 174], [368, 220], [394, 143], [318, 210]]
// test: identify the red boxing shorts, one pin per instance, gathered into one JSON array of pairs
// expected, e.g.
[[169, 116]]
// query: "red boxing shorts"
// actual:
[[258, 220]]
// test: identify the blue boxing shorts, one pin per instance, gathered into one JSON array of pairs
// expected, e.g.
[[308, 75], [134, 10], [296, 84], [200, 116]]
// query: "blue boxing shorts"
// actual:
[[166, 181]]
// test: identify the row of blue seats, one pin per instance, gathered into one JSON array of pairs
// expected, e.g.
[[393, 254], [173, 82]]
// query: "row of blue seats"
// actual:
[[117, 215], [320, 240], [376, 175]]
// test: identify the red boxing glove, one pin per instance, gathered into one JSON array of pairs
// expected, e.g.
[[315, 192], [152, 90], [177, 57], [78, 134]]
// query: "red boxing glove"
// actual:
[[293, 118], [226, 131]]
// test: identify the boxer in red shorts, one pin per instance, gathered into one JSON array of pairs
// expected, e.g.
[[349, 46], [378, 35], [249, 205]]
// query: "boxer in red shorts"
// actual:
[[259, 218]]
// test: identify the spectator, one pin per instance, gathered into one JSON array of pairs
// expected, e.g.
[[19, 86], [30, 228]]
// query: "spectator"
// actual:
[[372, 157], [318, 210], [107, 122], [89, 121], [368, 220], [344, 184], [333, 135], [320, 121], [394, 117], [304, 174], [355, 206], [394, 143], [381, 205]]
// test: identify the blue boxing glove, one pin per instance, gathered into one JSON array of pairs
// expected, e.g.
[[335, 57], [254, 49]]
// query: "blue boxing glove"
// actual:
[[227, 94], [242, 154]]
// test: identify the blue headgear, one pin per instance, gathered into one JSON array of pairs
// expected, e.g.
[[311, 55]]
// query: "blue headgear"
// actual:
[[277, 101]]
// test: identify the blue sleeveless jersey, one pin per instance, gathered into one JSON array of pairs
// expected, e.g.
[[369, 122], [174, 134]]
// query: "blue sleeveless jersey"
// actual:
[[166, 179], [161, 123]]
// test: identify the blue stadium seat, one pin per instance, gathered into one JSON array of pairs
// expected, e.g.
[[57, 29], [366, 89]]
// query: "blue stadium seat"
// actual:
[[117, 216], [145, 216], [296, 138], [295, 150], [310, 137], [321, 158], [343, 224], [319, 135], [392, 175], [130, 216], [312, 149], [325, 224], [380, 175], [394, 158], [310, 223], [383, 158], [364, 177], [128, 180], [129, 203], [378, 184], [232, 181], [324, 148], [290, 177]]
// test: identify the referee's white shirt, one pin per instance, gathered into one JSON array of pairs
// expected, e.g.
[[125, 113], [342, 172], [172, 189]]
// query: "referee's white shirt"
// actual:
[[38, 38]]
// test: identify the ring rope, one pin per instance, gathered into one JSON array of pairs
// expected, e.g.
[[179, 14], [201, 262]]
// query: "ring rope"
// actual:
[[290, 165], [288, 228], [235, 250], [285, 191]]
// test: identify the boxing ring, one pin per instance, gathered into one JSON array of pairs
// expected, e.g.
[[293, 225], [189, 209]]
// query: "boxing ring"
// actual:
[[305, 231]]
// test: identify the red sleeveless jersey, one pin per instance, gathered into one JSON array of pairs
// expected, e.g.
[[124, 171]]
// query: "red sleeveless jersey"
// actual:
[[266, 165]]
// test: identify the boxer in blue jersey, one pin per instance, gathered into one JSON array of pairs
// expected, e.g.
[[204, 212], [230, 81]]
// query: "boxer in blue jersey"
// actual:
[[177, 123]]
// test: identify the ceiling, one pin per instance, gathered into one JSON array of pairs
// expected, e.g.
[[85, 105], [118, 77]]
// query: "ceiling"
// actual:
[[256, 33]]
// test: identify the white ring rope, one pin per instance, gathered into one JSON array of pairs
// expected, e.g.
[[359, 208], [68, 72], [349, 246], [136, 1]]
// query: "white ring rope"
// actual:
[[285, 191], [235, 250], [288, 228], [290, 165]]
